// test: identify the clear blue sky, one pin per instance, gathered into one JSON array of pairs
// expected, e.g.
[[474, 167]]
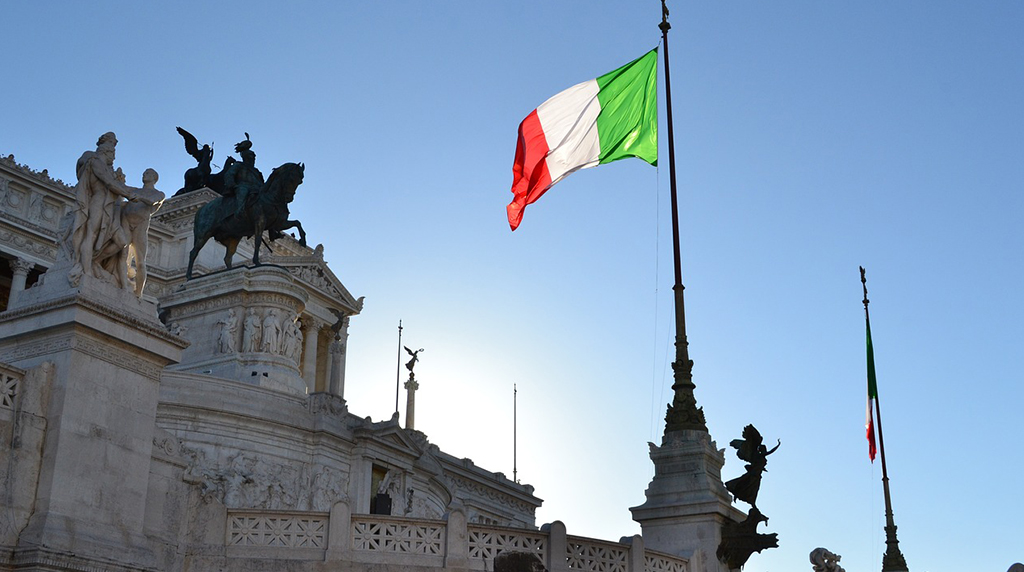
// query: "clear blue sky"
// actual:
[[812, 137]]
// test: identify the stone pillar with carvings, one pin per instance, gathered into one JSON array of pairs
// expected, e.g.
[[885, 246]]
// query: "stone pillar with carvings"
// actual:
[[107, 351], [336, 383], [311, 338], [20, 268], [337, 369]]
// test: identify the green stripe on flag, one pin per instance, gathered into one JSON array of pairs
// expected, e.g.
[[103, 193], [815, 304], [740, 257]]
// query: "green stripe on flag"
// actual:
[[628, 123]]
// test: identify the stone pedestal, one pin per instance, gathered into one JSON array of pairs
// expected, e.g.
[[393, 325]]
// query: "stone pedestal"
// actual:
[[241, 324], [106, 350], [687, 502]]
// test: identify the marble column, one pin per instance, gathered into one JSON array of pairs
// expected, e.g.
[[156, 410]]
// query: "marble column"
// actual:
[[336, 367], [311, 338], [20, 267], [410, 403]]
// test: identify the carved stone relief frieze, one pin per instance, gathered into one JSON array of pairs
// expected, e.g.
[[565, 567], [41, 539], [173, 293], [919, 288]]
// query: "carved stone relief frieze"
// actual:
[[247, 480], [488, 493], [328, 486], [326, 404], [32, 246], [314, 276]]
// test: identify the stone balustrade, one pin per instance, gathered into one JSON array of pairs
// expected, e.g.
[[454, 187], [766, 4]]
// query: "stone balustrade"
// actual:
[[10, 380], [366, 540]]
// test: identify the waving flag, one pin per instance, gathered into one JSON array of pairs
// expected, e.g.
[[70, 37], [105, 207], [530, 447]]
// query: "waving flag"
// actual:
[[598, 121]]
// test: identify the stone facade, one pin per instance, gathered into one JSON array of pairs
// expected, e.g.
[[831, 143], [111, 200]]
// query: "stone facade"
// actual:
[[204, 426]]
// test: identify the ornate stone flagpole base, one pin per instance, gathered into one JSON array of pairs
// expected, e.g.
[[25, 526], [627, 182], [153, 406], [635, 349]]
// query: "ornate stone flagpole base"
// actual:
[[687, 503]]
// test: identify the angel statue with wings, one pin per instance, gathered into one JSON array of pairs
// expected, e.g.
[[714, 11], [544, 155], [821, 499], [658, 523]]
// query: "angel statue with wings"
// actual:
[[752, 450], [197, 177], [415, 358]]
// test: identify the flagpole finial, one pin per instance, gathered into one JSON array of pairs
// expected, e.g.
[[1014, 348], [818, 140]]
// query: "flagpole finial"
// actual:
[[864, 283], [664, 17]]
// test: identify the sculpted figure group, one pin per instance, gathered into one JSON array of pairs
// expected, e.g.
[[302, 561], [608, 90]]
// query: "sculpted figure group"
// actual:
[[107, 237], [247, 206], [273, 334]]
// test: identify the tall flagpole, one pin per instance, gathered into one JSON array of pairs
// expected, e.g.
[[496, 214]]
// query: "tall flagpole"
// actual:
[[398, 366], [683, 413], [515, 433], [892, 560]]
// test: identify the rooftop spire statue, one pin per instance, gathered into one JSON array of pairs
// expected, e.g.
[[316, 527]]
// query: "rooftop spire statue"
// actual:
[[412, 363]]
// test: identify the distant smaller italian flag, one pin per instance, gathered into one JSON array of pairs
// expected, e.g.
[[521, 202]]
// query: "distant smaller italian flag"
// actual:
[[598, 121], [872, 396]]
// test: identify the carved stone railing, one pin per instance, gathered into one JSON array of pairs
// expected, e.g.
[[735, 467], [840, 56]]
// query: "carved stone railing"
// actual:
[[596, 556], [487, 542], [400, 541], [657, 562], [402, 536], [372, 540], [11, 380], [280, 534]]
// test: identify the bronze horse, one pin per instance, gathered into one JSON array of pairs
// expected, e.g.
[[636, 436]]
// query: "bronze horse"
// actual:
[[248, 212]]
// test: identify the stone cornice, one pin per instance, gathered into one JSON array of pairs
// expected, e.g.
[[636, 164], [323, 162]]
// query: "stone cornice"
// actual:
[[30, 226], [154, 329], [39, 176], [42, 250]]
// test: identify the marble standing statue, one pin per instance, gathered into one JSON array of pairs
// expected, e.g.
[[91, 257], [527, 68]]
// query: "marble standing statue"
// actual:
[[95, 228], [135, 217], [271, 332], [226, 337], [251, 331], [291, 342]]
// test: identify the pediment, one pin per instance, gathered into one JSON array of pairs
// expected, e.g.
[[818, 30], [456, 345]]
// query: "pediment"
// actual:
[[312, 270]]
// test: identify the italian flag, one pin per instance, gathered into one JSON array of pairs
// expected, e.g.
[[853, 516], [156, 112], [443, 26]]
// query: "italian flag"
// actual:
[[592, 123], [872, 397]]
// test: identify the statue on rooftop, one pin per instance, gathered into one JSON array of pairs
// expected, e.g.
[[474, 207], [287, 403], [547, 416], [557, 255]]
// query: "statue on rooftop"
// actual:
[[741, 539], [135, 217], [109, 217], [752, 450], [824, 561], [248, 211], [237, 177], [199, 176], [412, 363]]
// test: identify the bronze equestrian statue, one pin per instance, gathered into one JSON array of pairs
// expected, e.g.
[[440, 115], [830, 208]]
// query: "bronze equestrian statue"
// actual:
[[247, 208]]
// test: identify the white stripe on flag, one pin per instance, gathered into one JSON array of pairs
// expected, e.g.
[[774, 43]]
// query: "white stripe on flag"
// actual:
[[569, 120]]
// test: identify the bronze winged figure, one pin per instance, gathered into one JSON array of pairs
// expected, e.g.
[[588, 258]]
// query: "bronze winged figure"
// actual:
[[197, 177], [752, 450]]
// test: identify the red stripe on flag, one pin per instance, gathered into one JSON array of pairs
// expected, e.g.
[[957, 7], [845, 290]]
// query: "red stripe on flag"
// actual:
[[871, 433], [530, 177]]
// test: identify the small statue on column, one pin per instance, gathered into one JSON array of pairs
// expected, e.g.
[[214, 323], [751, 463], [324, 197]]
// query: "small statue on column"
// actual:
[[411, 386], [412, 363]]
